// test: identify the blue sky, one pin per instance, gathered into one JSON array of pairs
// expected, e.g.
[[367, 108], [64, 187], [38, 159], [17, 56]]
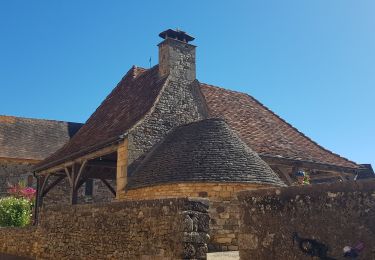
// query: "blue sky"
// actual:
[[312, 62]]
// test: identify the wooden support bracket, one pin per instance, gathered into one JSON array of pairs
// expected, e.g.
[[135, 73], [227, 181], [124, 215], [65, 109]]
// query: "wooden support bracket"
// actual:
[[53, 184], [284, 173], [80, 171], [44, 184], [106, 183]]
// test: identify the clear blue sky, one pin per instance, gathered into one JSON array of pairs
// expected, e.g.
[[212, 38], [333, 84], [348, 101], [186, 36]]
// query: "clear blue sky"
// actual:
[[312, 61]]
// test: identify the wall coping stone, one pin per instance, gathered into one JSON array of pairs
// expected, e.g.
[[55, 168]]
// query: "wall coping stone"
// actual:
[[202, 205], [311, 190]]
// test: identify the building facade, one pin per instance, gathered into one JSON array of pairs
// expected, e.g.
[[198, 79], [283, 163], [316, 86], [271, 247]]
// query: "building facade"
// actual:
[[24, 142], [161, 133]]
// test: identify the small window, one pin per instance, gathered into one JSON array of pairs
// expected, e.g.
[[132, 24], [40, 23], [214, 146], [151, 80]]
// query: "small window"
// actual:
[[89, 187], [30, 181]]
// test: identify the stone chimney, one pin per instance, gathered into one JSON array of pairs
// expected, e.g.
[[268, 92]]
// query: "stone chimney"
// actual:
[[176, 55]]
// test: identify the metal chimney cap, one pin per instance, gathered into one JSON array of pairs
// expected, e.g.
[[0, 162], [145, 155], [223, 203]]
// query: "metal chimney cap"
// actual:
[[177, 35]]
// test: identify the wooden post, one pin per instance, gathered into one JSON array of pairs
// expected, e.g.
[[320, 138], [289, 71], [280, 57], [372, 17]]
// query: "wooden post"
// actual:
[[73, 189], [122, 167], [38, 200]]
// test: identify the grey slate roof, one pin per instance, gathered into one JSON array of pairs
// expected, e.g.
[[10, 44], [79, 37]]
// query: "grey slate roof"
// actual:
[[35, 139], [202, 151]]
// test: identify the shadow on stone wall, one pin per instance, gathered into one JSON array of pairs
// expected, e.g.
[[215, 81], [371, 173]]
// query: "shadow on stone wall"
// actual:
[[301, 222]]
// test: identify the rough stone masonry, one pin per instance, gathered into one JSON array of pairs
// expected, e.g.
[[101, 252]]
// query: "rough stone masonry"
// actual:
[[325, 217], [155, 229]]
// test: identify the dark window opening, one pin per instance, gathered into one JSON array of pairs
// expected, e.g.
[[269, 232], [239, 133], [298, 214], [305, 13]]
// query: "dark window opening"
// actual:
[[89, 187]]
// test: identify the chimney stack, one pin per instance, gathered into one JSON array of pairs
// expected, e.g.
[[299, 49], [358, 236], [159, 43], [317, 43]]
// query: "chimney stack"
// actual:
[[176, 55]]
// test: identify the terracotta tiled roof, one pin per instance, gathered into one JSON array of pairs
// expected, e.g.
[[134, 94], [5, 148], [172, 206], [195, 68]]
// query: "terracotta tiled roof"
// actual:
[[264, 131], [123, 107], [258, 127], [33, 139], [208, 151]]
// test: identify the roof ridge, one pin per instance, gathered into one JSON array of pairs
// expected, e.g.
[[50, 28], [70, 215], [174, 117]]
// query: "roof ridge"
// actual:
[[136, 71], [284, 121]]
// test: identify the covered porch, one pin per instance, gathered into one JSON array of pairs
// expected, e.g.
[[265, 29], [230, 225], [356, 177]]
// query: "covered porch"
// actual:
[[107, 165]]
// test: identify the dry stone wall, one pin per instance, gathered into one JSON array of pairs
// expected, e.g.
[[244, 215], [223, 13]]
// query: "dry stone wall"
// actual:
[[18, 241], [224, 206], [280, 223], [155, 229]]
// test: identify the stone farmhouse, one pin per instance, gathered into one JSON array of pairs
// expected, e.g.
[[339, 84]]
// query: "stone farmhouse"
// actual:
[[163, 134], [24, 142]]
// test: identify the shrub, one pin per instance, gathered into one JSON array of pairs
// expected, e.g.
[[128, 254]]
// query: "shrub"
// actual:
[[20, 190], [15, 212]]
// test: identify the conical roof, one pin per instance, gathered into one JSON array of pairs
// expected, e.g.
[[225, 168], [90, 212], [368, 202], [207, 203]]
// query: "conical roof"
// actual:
[[204, 151]]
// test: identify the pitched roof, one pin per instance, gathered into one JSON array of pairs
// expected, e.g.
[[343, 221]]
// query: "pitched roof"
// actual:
[[264, 131], [202, 151], [257, 126], [134, 95], [33, 139]]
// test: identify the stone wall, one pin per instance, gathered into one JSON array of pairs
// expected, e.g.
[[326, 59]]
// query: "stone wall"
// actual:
[[331, 215], [179, 103], [177, 59], [157, 229], [60, 194], [18, 241], [224, 206], [12, 172]]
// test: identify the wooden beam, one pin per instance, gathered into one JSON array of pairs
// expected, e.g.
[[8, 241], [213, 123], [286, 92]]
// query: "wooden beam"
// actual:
[[107, 175], [105, 151], [285, 174], [80, 183], [102, 164], [305, 164], [324, 175], [109, 186], [68, 173], [81, 169], [44, 183], [53, 184]]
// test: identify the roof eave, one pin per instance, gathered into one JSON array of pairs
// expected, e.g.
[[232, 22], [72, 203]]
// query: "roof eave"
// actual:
[[76, 155], [312, 164]]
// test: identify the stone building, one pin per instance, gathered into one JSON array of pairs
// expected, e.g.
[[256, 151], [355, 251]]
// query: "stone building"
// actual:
[[162, 133], [25, 142]]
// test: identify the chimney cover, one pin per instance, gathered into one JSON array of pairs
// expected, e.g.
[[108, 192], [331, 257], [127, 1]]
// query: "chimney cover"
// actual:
[[177, 35]]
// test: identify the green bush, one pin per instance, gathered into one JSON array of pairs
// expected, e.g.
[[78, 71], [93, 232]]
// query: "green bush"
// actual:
[[14, 212]]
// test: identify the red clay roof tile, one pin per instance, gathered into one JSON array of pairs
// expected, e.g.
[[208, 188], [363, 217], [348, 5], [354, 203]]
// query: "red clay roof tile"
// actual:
[[123, 107], [258, 127], [264, 131]]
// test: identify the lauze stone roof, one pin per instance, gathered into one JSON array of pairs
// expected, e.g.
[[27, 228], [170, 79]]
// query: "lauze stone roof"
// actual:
[[261, 129], [202, 151], [33, 139]]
